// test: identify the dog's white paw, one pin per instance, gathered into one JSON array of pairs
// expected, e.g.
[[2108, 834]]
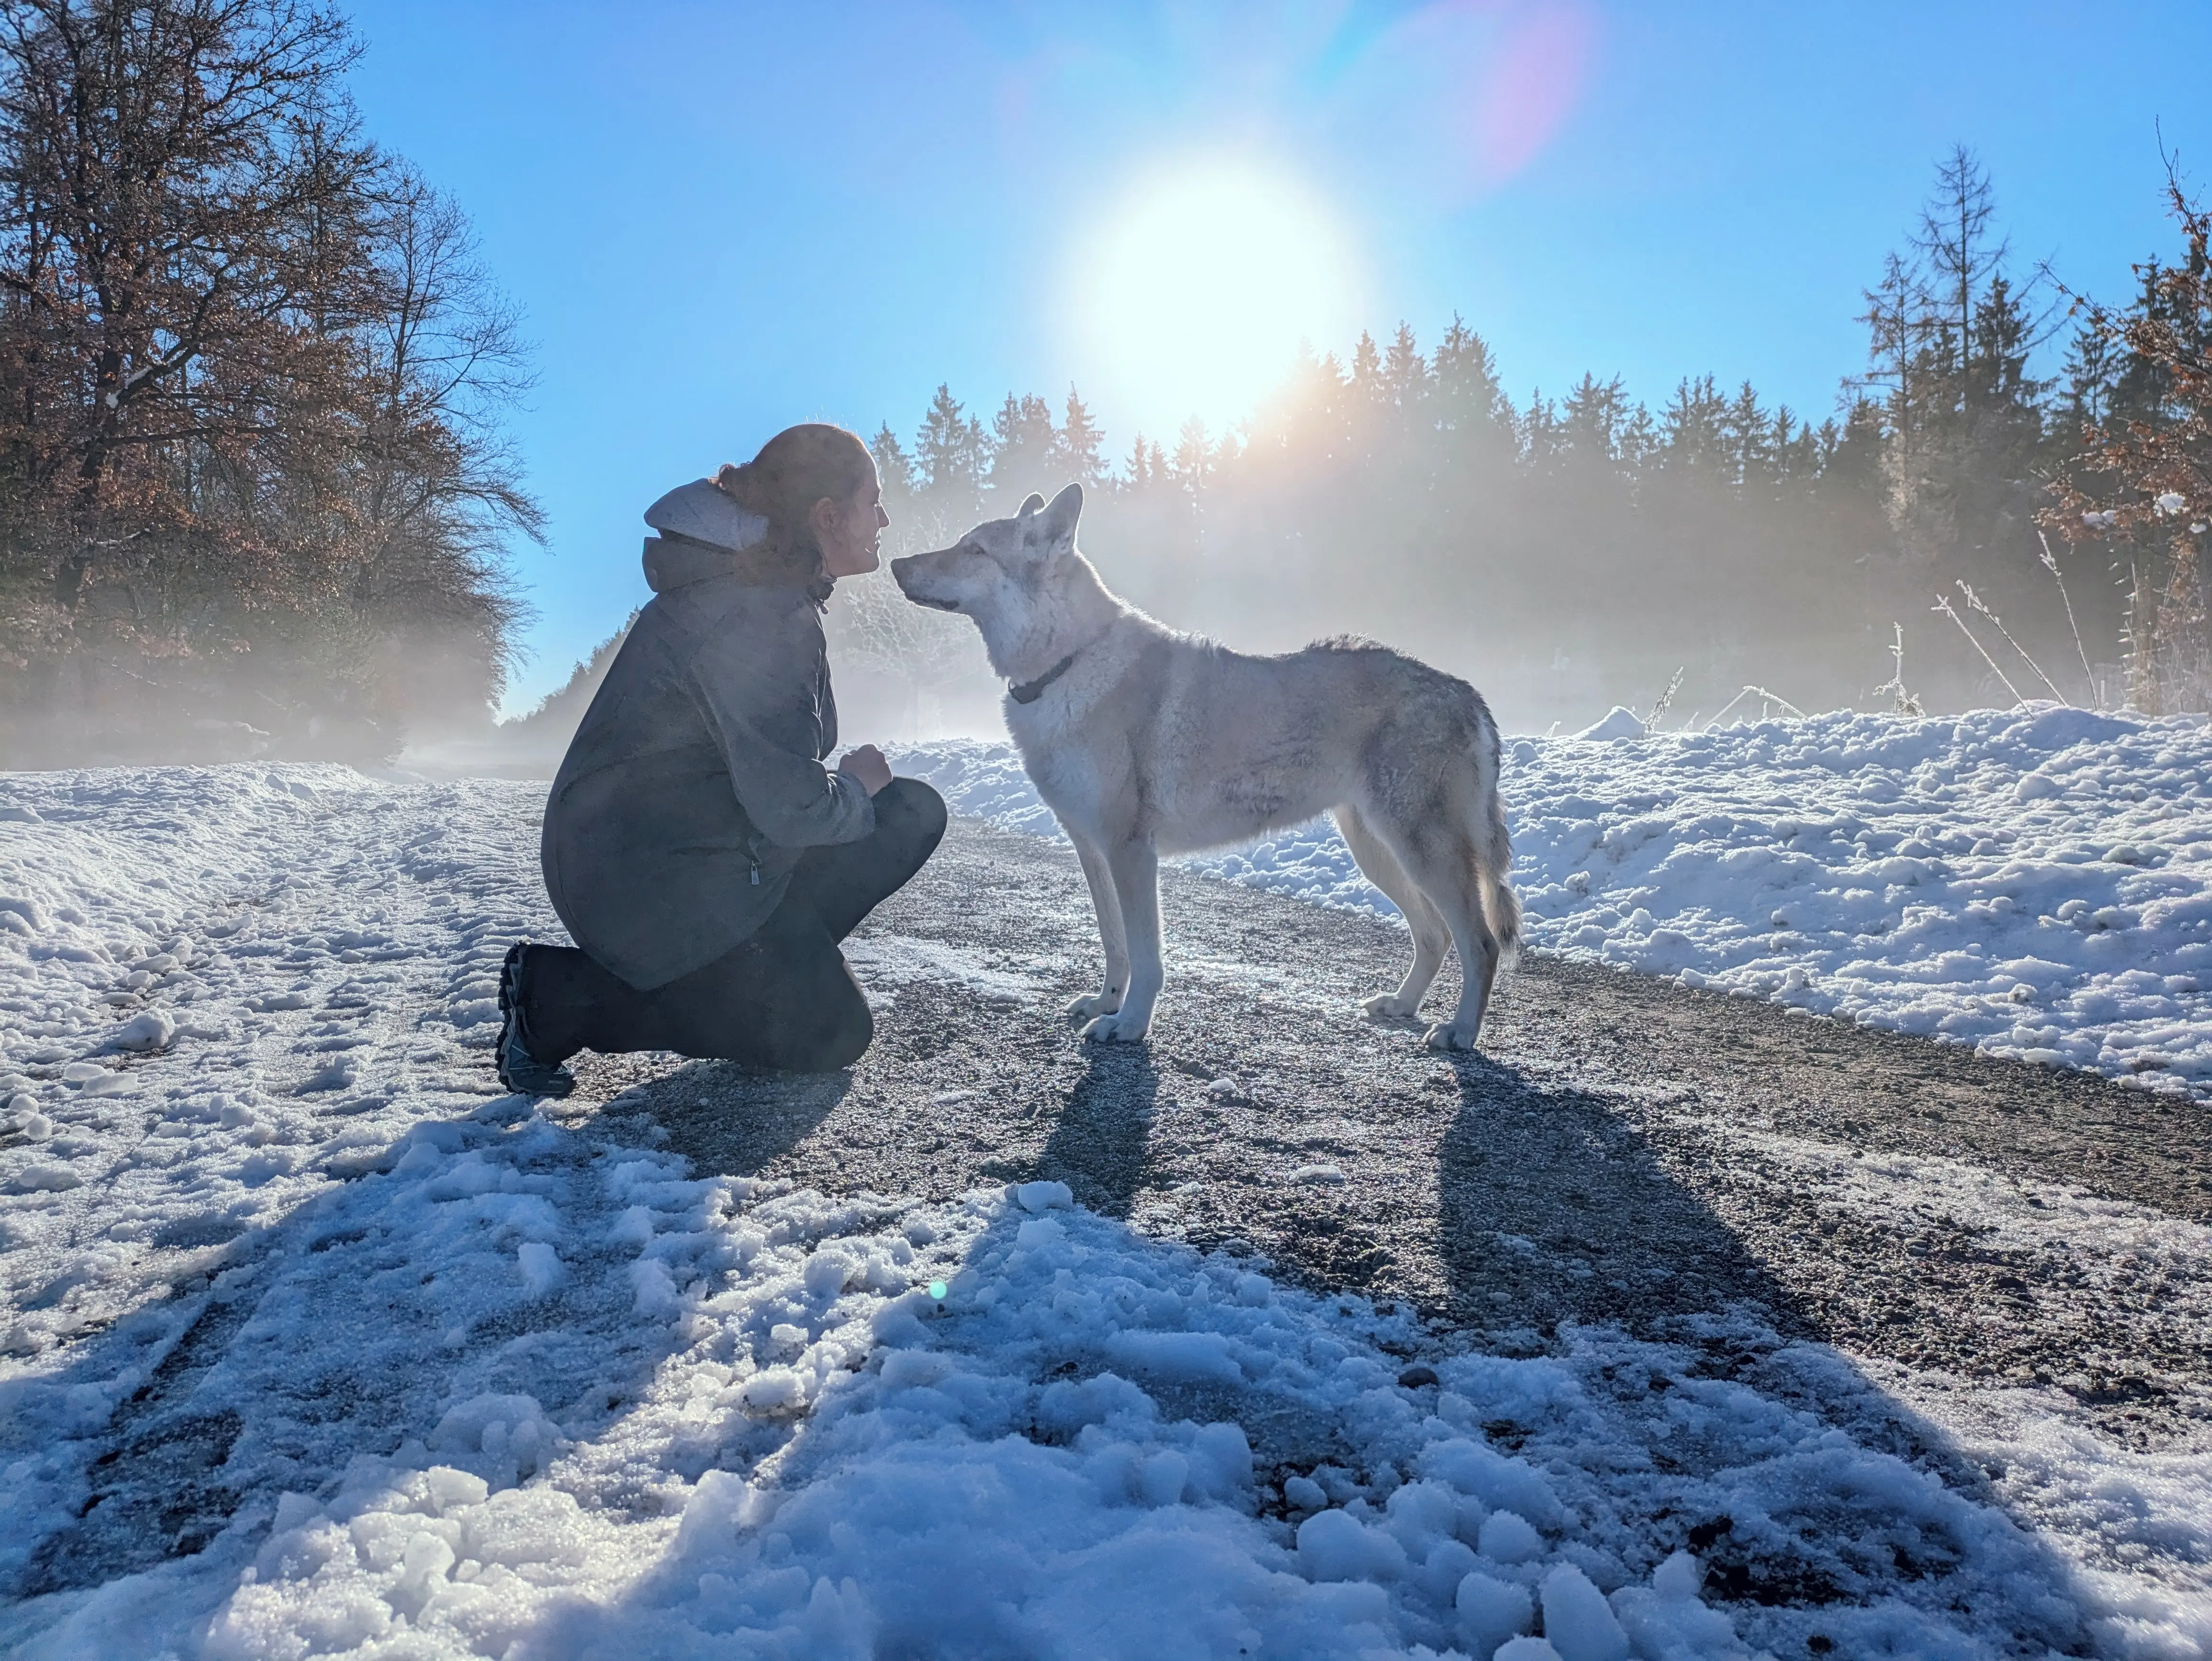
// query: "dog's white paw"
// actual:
[[1451, 1035], [1098, 1003], [1115, 1029], [1387, 1007]]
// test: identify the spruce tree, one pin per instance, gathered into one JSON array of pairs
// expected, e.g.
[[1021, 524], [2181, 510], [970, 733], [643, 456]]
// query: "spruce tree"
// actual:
[[1192, 465], [1950, 338], [1590, 420], [1750, 439], [1022, 449], [948, 450], [1370, 394], [1468, 395], [1078, 445], [893, 467], [1693, 433], [1405, 376], [1139, 475]]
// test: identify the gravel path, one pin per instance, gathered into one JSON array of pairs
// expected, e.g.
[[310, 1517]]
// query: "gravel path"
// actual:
[[1623, 1150]]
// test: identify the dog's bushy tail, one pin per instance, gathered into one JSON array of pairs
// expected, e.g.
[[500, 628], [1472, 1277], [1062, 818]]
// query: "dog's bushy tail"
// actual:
[[1493, 841]]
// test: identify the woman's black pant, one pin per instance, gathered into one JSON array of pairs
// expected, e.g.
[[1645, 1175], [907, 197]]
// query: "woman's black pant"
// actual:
[[784, 998]]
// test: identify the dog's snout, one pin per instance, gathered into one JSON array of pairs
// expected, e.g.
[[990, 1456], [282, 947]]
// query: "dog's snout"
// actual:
[[906, 572]]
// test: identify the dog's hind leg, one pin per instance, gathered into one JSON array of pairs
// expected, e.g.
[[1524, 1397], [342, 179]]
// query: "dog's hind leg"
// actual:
[[1431, 939], [1111, 936], [1441, 857], [1135, 868]]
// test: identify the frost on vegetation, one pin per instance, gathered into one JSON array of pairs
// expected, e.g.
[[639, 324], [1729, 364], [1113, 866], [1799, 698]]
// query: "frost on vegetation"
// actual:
[[2036, 883]]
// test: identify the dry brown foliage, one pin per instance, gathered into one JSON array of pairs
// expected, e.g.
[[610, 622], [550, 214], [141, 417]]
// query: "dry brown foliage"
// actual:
[[2143, 479]]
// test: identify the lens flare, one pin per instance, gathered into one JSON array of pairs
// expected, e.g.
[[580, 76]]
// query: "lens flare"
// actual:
[[1530, 90], [1196, 290]]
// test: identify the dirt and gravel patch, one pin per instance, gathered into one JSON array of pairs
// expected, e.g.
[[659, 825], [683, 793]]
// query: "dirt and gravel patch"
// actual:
[[1623, 1150]]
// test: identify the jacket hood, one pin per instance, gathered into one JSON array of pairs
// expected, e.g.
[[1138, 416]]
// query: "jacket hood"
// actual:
[[704, 513], [677, 562], [699, 529]]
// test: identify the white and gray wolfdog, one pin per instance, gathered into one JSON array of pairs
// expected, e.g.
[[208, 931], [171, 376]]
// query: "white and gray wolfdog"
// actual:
[[1144, 741]]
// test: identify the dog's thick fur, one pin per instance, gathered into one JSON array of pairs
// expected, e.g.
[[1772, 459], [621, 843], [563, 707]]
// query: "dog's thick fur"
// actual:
[[1147, 742]]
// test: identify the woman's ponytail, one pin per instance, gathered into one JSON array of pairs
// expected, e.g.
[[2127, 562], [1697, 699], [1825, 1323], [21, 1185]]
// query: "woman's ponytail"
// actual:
[[794, 470]]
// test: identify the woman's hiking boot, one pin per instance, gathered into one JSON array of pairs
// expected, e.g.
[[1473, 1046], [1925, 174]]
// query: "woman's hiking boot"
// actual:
[[519, 1070]]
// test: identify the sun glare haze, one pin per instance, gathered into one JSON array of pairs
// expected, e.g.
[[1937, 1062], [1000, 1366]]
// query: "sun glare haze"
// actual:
[[1196, 287], [1212, 828]]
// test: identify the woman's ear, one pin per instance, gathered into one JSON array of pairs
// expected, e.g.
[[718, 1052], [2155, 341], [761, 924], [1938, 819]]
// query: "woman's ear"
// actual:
[[822, 517]]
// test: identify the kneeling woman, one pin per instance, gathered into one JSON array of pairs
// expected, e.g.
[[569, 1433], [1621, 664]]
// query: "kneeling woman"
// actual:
[[705, 861]]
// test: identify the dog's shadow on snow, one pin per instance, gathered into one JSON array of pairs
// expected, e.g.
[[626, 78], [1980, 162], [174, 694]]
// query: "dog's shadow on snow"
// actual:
[[1553, 1212], [1100, 1140], [1550, 1207]]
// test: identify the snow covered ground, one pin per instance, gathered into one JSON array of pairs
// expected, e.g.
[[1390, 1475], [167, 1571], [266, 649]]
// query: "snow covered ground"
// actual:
[[2035, 883], [473, 1376]]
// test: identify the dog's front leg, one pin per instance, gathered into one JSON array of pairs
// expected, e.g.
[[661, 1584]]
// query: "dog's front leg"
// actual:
[[1111, 936], [1134, 867]]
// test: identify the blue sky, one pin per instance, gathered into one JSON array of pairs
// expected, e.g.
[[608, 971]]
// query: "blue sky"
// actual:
[[721, 219]]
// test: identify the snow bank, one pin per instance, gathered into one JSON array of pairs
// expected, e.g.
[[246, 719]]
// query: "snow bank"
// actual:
[[2035, 883]]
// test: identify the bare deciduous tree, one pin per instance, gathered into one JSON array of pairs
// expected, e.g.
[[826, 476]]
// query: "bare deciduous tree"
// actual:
[[251, 373]]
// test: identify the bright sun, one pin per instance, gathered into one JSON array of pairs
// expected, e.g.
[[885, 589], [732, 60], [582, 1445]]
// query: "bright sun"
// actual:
[[1198, 288]]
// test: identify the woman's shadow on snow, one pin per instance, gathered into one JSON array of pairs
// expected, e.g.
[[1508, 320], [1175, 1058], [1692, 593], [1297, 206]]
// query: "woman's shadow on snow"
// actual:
[[726, 1117]]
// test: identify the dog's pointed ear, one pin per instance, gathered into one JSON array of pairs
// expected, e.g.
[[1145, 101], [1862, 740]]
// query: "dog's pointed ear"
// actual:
[[1030, 503], [1057, 523]]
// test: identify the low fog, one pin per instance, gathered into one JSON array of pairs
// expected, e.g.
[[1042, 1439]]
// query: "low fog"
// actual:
[[1564, 556]]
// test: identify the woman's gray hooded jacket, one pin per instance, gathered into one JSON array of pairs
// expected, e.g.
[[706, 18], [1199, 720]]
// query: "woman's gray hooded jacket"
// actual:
[[695, 781]]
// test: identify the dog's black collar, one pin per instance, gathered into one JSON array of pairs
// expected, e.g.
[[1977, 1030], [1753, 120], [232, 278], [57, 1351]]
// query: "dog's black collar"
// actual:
[[1030, 691]]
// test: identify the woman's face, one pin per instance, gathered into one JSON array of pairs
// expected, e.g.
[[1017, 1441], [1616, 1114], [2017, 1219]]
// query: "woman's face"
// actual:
[[851, 531]]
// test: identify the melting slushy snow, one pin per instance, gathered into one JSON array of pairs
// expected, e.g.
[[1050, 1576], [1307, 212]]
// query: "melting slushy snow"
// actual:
[[2035, 883], [472, 1378]]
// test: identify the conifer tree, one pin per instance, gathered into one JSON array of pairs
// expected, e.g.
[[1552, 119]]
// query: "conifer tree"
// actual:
[[1542, 444], [1750, 438], [1022, 449], [2091, 364], [1192, 465], [1590, 422], [1370, 393], [1405, 375], [1693, 433], [1950, 338], [1077, 447], [1138, 474], [949, 449], [894, 466], [1469, 396]]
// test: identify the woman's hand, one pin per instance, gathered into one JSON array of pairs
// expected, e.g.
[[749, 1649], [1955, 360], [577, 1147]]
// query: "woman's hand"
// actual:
[[866, 764]]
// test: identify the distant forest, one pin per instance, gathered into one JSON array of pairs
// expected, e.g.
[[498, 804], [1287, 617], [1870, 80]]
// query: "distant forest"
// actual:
[[1580, 549], [256, 494]]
